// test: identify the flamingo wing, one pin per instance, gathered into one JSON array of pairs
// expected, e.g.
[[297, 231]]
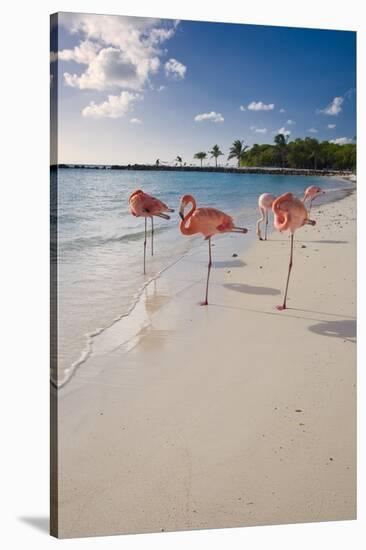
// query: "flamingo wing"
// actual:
[[143, 204], [210, 221], [290, 212]]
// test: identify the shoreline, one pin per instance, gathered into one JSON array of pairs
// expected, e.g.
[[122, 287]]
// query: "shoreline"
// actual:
[[218, 169], [226, 416]]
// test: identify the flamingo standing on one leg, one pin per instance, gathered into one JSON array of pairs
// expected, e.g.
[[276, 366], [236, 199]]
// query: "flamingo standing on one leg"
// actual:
[[310, 194], [289, 213], [265, 202], [143, 205], [209, 222]]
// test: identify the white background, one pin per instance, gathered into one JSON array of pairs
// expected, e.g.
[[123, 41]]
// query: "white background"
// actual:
[[24, 120]]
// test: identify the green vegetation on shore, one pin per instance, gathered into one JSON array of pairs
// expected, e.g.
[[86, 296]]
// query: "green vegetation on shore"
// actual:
[[307, 153]]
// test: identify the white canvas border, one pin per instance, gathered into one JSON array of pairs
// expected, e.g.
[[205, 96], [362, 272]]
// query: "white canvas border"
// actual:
[[24, 271]]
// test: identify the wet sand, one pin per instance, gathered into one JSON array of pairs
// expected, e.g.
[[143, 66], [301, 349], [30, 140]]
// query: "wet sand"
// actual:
[[235, 414]]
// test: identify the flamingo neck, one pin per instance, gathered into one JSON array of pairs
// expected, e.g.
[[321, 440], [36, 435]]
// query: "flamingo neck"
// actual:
[[187, 230]]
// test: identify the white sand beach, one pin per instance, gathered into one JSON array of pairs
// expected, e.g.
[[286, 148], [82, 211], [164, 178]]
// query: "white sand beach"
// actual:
[[235, 414]]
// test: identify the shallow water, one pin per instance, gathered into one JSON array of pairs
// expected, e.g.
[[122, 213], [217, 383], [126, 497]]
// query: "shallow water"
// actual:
[[100, 245]]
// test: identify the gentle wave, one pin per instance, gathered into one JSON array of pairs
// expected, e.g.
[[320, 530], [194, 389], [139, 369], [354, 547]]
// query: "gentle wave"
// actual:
[[80, 243]]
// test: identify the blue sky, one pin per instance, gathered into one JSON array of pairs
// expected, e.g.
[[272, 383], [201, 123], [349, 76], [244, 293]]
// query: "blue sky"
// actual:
[[133, 90]]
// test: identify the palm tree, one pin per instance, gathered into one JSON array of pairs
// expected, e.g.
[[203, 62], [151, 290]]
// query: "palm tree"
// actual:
[[179, 160], [315, 152], [237, 151], [281, 144], [200, 156], [215, 153]]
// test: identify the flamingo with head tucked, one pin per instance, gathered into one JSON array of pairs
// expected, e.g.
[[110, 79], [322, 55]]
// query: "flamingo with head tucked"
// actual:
[[208, 222], [310, 194], [265, 202], [289, 214], [143, 205]]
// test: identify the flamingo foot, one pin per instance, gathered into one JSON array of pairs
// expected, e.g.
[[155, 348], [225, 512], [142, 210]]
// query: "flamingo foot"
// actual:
[[281, 307], [204, 303]]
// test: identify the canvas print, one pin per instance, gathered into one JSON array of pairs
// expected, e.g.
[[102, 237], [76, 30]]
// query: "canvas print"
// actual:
[[203, 275]]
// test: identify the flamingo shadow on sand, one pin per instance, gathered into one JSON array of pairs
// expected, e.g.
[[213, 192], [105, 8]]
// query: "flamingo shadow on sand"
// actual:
[[323, 242], [249, 289], [229, 263], [345, 329]]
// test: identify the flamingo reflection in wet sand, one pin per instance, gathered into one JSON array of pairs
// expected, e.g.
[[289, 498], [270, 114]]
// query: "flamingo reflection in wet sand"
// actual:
[[265, 202], [311, 193], [289, 214], [208, 222], [145, 206]]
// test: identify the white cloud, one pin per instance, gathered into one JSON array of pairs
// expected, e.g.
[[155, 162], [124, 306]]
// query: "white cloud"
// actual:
[[341, 141], [284, 131], [313, 130], [175, 68], [258, 130], [136, 121], [110, 68], [282, 110], [118, 51], [289, 122], [331, 126], [213, 116], [260, 106], [114, 107], [242, 108], [83, 54], [334, 108]]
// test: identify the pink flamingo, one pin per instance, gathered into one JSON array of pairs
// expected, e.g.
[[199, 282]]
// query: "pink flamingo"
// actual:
[[289, 214], [143, 205], [310, 194], [207, 221], [265, 202]]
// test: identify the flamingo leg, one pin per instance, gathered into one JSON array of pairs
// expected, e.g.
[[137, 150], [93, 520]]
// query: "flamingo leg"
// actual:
[[280, 308], [261, 219], [265, 233], [145, 247], [205, 303], [152, 236], [311, 203]]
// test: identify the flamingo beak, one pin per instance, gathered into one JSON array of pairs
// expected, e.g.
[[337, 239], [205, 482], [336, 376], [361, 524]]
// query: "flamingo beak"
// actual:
[[181, 215]]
